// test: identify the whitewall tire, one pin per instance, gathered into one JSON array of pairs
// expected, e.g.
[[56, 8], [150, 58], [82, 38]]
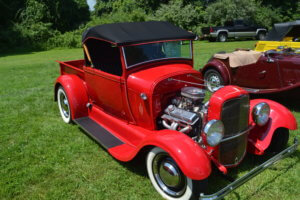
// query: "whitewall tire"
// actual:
[[166, 177], [64, 105]]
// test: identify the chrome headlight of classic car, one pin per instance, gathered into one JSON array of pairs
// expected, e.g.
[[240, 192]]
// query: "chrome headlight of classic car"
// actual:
[[261, 113], [214, 131]]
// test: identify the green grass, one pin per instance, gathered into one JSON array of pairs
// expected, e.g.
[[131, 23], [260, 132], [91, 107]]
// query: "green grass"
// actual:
[[43, 158]]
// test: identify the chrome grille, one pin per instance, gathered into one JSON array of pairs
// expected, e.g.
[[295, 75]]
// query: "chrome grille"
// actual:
[[235, 117]]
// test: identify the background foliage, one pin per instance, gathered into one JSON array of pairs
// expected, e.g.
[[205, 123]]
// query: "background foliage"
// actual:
[[45, 24]]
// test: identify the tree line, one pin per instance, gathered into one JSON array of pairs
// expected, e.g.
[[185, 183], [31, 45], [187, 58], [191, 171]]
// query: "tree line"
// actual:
[[44, 24]]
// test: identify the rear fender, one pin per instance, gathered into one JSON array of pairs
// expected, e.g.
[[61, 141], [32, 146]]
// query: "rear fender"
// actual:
[[220, 67], [260, 137], [190, 157], [76, 92]]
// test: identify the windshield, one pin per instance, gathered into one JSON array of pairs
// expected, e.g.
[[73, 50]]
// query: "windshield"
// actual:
[[156, 51]]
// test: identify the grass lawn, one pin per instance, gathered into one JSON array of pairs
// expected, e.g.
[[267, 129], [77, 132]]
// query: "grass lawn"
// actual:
[[43, 158]]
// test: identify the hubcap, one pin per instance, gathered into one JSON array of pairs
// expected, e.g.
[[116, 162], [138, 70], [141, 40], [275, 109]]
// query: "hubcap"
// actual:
[[261, 36], [213, 81], [222, 38], [168, 176], [64, 104]]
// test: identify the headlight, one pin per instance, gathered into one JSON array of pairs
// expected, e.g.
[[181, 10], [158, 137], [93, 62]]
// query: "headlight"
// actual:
[[260, 113], [214, 131]]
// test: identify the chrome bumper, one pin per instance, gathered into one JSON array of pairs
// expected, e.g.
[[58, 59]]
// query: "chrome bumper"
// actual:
[[237, 183]]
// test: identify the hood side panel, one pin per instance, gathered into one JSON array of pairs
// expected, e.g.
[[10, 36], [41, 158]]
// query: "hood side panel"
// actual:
[[159, 89]]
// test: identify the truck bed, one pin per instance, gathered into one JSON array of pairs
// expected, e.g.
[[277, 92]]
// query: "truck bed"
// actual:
[[72, 67]]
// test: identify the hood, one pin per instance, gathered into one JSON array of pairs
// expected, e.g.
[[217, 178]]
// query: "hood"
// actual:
[[146, 79]]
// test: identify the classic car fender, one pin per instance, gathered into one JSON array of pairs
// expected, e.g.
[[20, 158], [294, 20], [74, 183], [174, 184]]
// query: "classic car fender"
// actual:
[[220, 67], [190, 157], [76, 92], [280, 117]]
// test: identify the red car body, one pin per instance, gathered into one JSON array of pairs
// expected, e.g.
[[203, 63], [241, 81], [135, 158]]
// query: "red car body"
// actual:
[[273, 72], [129, 107]]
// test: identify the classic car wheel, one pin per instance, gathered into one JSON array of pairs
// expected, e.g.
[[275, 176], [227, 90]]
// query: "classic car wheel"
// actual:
[[168, 179], [213, 80], [63, 105], [279, 140], [261, 35], [222, 37]]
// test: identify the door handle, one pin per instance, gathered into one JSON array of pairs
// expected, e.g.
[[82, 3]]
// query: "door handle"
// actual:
[[262, 74]]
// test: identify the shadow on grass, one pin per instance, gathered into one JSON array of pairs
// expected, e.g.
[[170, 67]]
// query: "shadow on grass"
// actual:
[[136, 165], [20, 51]]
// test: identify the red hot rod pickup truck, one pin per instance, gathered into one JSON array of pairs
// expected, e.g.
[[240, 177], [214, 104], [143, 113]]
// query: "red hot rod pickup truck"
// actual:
[[136, 90]]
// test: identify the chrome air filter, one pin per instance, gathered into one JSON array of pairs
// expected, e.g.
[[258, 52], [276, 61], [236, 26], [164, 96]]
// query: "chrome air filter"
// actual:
[[193, 93]]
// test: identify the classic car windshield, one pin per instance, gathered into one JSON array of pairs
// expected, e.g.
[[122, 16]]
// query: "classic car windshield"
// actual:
[[157, 51]]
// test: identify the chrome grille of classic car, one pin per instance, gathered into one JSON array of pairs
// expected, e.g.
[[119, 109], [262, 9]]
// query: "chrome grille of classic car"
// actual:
[[235, 116]]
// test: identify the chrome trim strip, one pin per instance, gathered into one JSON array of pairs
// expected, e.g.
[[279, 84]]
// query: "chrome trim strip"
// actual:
[[257, 170], [237, 135], [124, 56], [172, 79]]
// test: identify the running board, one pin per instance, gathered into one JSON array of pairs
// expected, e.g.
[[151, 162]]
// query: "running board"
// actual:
[[98, 133]]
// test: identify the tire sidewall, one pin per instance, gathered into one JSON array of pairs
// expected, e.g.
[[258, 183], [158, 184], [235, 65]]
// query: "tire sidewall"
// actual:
[[188, 194], [224, 35], [261, 35], [279, 141], [60, 92]]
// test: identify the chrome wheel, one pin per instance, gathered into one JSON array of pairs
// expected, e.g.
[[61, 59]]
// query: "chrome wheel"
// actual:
[[213, 80], [168, 176], [63, 105], [222, 37], [261, 36]]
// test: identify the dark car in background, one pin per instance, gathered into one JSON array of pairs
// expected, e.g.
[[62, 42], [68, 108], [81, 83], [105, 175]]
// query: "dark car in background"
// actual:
[[234, 29]]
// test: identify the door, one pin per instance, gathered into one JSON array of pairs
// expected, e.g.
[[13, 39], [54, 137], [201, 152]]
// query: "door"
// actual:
[[264, 74], [103, 77], [105, 91], [290, 69]]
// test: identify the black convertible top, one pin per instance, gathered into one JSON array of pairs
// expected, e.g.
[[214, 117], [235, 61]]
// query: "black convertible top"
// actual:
[[136, 32], [281, 30]]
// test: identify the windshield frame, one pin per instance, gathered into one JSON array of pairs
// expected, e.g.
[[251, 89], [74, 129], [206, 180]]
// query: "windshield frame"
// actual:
[[159, 59]]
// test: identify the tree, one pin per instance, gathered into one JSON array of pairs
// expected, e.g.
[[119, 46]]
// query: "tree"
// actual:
[[62, 15], [223, 10], [187, 16]]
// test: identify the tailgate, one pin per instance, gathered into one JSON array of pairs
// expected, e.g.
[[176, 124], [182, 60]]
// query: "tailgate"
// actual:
[[72, 67]]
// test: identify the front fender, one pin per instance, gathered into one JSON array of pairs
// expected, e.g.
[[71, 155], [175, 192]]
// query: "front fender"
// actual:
[[76, 92], [190, 157], [220, 67], [280, 117]]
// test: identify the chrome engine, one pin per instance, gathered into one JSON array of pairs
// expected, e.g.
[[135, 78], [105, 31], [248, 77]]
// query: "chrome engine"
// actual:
[[185, 113]]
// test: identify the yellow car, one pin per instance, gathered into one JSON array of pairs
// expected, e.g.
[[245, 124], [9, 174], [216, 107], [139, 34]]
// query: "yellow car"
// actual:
[[283, 35]]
